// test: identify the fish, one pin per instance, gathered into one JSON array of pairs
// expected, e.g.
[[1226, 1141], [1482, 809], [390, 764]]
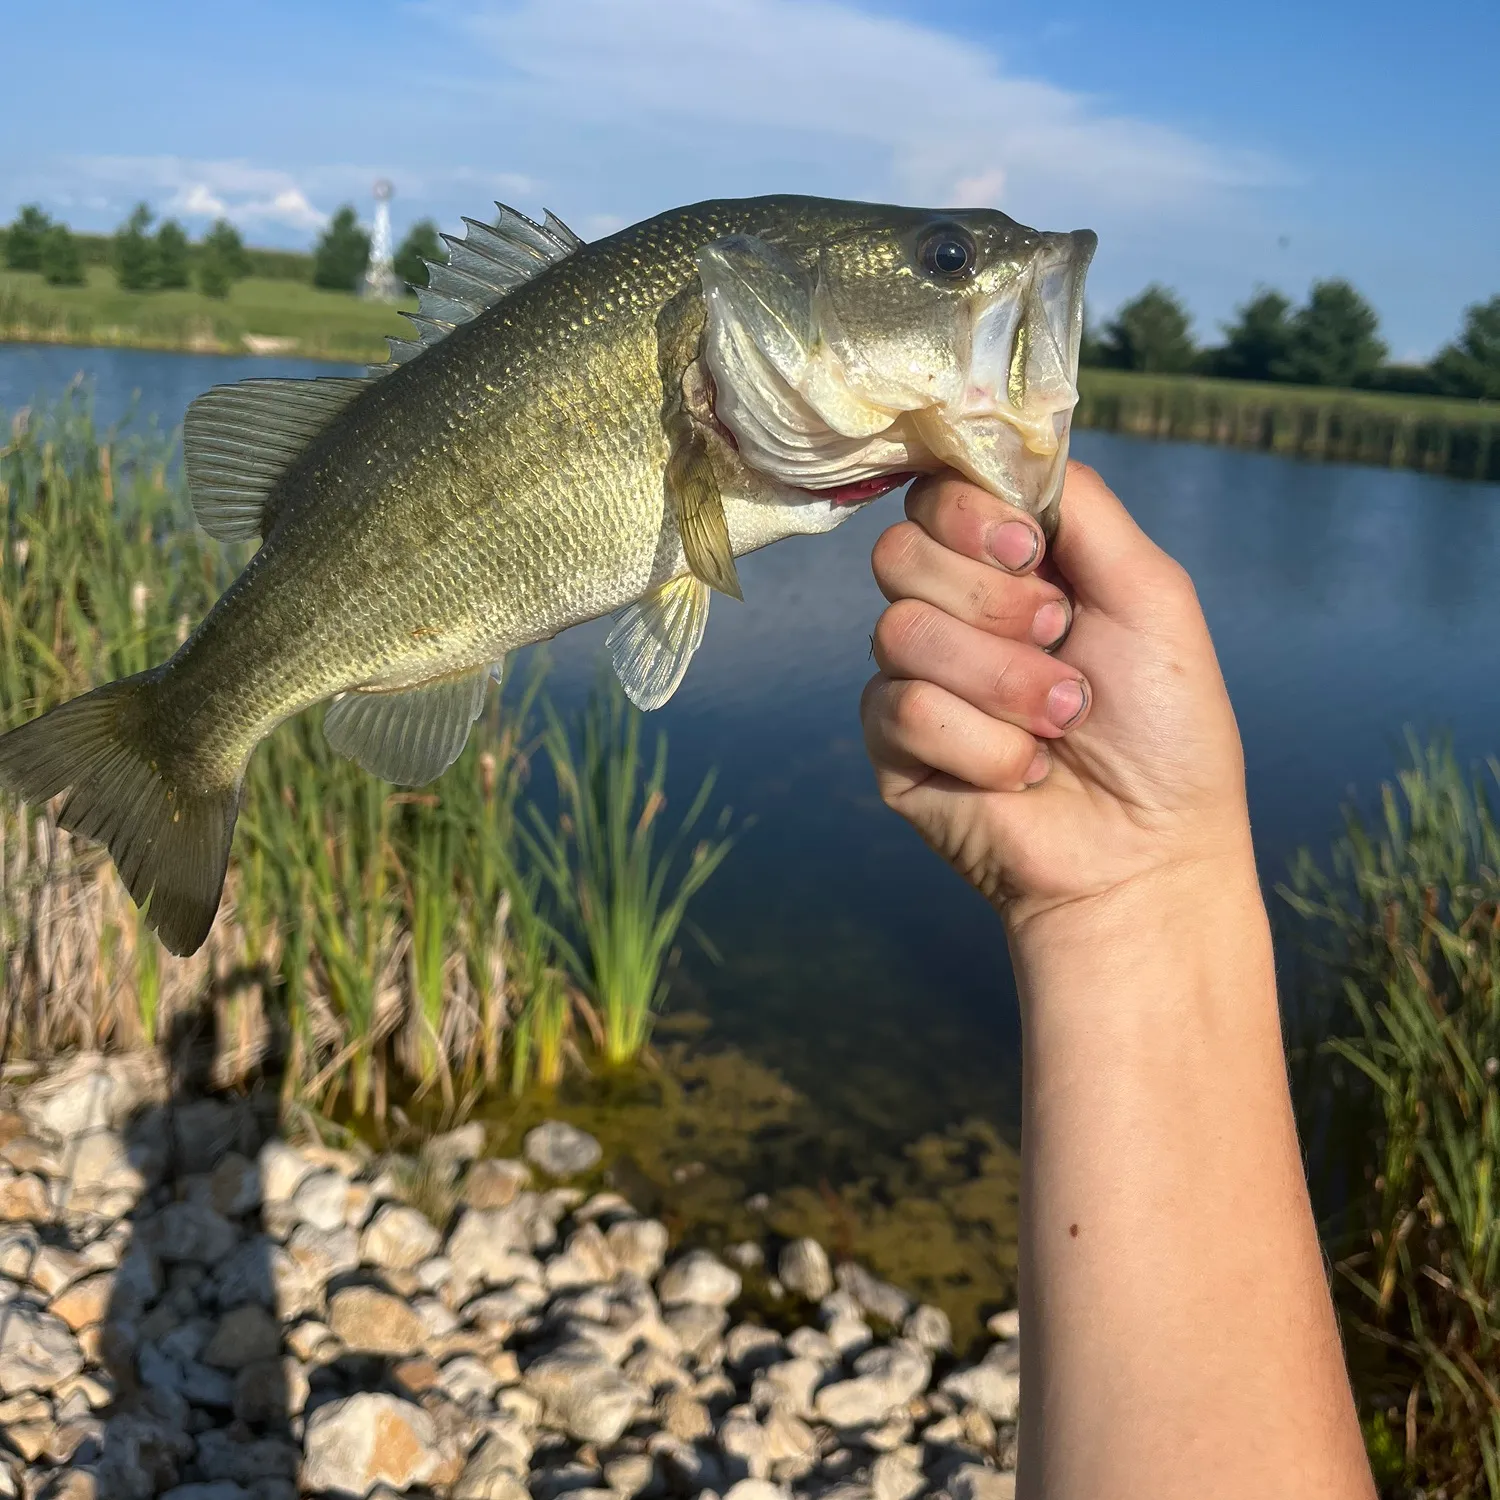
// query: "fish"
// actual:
[[576, 430]]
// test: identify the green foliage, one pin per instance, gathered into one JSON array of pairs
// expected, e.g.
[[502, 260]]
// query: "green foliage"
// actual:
[[1470, 366], [343, 253], [1406, 965], [1333, 339], [399, 945], [1151, 333], [135, 256], [623, 897], [420, 245], [23, 239], [1257, 343], [222, 260], [61, 261], [173, 256]]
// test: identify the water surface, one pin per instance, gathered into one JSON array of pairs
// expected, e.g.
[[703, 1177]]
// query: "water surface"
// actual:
[[1345, 603]]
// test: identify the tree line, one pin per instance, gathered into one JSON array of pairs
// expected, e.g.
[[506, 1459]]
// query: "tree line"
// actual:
[[146, 256], [1332, 339]]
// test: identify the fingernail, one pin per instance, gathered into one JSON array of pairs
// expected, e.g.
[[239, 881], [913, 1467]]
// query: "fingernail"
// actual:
[[1014, 545], [1065, 702], [1050, 623], [1041, 763]]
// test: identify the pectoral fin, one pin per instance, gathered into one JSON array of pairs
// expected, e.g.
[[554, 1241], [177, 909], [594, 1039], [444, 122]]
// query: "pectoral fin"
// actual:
[[409, 737], [653, 640], [694, 492]]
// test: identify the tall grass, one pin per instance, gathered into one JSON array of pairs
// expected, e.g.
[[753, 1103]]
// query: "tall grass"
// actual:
[[1437, 434], [376, 945], [1402, 1106], [624, 896]]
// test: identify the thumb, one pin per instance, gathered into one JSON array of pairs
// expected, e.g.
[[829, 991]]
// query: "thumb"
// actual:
[[1105, 556]]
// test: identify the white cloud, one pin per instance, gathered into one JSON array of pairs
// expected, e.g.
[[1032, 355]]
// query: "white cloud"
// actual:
[[898, 107], [247, 194]]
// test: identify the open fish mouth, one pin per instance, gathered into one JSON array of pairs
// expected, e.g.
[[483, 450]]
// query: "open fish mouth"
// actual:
[[806, 406]]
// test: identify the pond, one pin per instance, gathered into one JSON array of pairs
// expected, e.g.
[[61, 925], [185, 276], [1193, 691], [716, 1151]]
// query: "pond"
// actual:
[[1346, 603]]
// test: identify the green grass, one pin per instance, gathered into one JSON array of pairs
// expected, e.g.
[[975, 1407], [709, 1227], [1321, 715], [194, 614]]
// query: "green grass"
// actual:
[[377, 946], [1398, 1093], [1431, 433], [299, 319]]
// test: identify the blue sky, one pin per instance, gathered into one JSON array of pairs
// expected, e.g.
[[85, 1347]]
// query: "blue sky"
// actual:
[[1214, 147]]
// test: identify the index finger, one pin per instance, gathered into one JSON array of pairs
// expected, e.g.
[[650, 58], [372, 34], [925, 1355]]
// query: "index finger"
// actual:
[[974, 523]]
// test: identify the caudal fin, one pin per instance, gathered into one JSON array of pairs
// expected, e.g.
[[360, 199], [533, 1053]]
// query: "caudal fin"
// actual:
[[169, 835]]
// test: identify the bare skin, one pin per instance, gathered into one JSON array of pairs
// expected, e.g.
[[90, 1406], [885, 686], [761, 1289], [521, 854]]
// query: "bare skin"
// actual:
[[1179, 1339]]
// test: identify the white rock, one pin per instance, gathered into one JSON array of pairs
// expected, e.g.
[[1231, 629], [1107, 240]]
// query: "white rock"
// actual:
[[455, 1148], [245, 1274], [698, 1277], [368, 1439], [322, 1254], [561, 1150], [587, 1261], [696, 1326], [588, 1399], [235, 1185], [808, 1343], [495, 1182], [100, 1163], [802, 1267], [757, 1489], [975, 1482], [877, 1298], [789, 1385], [750, 1347], [321, 1200], [36, 1350], [993, 1385], [1005, 1325], [466, 1376], [928, 1328], [485, 1246], [370, 1321], [91, 1092], [638, 1245], [894, 1476], [849, 1335], [191, 1232], [398, 1238], [282, 1169]]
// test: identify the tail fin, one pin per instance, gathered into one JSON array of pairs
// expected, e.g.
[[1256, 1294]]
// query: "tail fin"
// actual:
[[169, 836]]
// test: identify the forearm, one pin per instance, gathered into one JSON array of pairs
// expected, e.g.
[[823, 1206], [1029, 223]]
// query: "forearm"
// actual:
[[1178, 1338]]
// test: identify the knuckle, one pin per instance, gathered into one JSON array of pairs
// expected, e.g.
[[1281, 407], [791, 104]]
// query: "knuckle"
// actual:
[[894, 550], [911, 706], [904, 628]]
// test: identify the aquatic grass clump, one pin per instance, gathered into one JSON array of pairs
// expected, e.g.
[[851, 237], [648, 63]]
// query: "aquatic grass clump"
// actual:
[[1406, 948], [377, 945], [624, 896]]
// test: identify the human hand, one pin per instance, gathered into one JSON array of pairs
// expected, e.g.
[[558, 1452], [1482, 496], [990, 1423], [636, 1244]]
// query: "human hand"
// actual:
[[1049, 779]]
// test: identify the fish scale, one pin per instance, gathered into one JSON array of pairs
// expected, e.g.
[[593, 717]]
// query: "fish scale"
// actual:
[[606, 431]]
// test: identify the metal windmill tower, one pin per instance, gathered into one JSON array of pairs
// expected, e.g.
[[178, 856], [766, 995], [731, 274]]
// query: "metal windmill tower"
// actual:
[[380, 275]]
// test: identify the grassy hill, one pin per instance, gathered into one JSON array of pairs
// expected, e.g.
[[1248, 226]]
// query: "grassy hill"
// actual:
[[261, 315]]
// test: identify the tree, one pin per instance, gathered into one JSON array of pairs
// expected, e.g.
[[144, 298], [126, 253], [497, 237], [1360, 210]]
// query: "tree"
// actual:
[[23, 240], [1470, 365], [135, 252], [1150, 333], [1333, 339], [342, 254], [221, 260], [1259, 341], [172, 255], [420, 245], [61, 260]]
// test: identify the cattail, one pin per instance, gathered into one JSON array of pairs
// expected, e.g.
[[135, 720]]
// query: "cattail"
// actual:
[[139, 594], [487, 774]]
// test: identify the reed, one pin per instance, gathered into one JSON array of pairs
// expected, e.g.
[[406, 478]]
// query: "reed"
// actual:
[[376, 945], [1405, 928], [623, 896], [1428, 433]]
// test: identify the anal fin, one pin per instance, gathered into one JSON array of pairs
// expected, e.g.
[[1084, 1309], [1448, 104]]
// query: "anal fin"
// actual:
[[412, 736], [653, 640]]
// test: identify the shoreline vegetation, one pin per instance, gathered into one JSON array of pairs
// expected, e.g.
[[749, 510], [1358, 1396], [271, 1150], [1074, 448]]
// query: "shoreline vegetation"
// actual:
[[280, 316]]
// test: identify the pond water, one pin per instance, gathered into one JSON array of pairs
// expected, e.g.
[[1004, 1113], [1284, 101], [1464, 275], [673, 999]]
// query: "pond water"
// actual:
[[1345, 602]]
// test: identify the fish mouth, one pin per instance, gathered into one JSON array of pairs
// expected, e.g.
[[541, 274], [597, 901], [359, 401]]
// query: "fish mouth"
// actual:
[[1009, 430]]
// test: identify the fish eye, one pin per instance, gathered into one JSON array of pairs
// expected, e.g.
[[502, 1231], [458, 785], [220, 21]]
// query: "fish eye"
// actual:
[[948, 253]]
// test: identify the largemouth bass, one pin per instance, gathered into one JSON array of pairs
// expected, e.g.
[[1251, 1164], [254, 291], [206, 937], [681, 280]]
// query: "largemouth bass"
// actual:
[[578, 430]]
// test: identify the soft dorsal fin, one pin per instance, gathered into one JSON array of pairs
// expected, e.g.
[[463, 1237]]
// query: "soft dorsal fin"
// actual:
[[238, 440], [489, 261]]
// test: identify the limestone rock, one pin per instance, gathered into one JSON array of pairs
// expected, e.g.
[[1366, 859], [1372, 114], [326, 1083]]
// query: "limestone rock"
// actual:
[[23, 1199], [588, 1399], [561, 1150], [803, 1268], [282, 1169], [244, 1336], [369, 1439], [398, 1239], [494, 1183], [234, 1187], [638, 1245], [928, 1328], [321, 1200], [698, 1277], [191, 1232], [370, 1321], [993, 1385], [975, 1482]]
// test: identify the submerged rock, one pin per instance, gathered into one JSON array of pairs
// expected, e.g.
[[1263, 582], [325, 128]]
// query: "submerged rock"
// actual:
[[561, 1150]]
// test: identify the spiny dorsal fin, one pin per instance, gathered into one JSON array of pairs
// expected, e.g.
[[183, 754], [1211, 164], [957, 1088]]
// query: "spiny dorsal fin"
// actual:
[[238, 440], [489, 261]]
